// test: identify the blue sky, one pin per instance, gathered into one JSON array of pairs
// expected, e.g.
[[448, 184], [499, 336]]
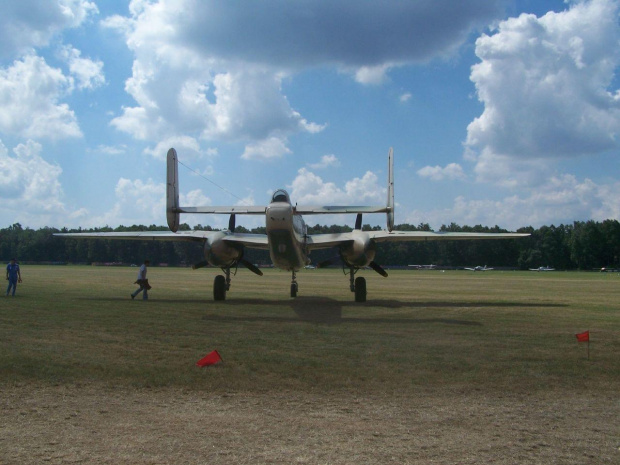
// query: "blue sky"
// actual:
[[500, 112]]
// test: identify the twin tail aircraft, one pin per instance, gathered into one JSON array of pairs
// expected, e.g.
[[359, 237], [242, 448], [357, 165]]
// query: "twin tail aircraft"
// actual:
[[286, 238]]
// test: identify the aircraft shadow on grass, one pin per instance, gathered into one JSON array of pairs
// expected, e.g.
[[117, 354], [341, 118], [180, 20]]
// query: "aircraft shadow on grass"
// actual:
[[329, 311]]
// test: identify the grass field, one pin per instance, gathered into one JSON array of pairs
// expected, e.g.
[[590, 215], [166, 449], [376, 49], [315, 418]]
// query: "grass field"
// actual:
[[320, 379]]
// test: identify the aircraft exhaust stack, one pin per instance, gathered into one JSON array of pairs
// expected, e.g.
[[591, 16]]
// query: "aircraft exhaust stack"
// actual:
[[172, 191], [390, 191]]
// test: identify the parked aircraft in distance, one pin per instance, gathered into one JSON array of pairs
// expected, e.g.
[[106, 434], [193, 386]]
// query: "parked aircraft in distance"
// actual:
[[423, 267], [286, 238], [606, 270], [542, 268], [479, 268]]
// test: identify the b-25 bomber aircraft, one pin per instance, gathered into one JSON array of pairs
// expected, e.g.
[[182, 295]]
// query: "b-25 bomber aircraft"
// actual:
[[286, 238]]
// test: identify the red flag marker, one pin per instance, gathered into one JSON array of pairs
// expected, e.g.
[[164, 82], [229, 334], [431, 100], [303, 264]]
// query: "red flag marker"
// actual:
[[583, 337], [211, 359]]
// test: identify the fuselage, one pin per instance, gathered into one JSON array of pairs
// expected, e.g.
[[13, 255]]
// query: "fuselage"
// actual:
[[286, 232]]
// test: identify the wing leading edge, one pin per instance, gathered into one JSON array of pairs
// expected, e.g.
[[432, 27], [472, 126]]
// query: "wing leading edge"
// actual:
[[403, 236], [255, 241], [321, 241]]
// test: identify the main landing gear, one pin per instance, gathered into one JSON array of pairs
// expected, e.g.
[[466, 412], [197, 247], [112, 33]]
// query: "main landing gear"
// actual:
[[357, 285], [294, 286], [221, 284]]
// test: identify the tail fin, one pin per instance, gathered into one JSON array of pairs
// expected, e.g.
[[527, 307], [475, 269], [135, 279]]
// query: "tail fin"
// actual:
[[172, 191], [390, 191]]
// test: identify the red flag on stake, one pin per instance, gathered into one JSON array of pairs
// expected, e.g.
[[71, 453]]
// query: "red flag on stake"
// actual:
[[211, 359], [583, 337]]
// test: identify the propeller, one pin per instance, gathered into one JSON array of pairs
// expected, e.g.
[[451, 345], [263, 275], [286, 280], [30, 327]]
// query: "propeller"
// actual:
[[328, 262], [358, 221], [201, 264], [378, 269], [231, 223], [253, 268]]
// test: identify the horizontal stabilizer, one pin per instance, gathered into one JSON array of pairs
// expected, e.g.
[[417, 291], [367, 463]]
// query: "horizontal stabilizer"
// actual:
[[299, 210], [230, 210], [336, 209]]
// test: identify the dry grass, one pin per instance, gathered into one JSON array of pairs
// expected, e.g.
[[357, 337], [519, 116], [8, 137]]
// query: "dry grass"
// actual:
[[437, 367]]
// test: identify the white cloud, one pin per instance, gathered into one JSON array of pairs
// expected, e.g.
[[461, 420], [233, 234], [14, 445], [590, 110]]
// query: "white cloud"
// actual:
[[561, 199], [30, 187], [186, 147], [326, 162], [30, 92], [111, 149], [451, 171], [405, 97], [309, 189], [372, 74], [545, 85], [271, 148], [89, 73], [144, 202], [137, 202], [32, 23]]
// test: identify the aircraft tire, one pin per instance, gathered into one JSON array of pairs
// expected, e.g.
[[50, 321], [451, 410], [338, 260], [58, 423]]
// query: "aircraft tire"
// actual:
[[360, 289], [219, 288], [293, 290]]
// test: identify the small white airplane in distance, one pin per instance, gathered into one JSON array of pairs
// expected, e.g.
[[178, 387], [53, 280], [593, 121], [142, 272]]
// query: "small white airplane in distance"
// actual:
[[286, 238], [606, 270], [542, 268], [423, 267], [479, 268]]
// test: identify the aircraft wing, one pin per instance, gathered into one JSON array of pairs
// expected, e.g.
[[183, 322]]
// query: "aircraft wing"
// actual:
[[255, 241], [142, 235], [324, 241], [404, 236], [252, 241], [321, 241]]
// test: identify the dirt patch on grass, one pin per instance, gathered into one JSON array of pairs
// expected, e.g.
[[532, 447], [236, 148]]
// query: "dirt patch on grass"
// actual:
[[89, 424]]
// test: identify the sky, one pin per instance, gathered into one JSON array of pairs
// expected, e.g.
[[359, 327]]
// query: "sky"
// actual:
[[500, 112]]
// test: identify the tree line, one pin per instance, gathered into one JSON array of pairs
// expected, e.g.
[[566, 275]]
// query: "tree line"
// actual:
[[579, 246]]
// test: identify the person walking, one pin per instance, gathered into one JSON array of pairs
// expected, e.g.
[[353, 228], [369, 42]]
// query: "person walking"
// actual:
[[13, 276], [142, 282]]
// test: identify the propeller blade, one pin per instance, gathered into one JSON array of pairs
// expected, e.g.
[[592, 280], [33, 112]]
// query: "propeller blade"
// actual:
[[253, 268], [378, 269], [358, 221], [200, 265], [231, 223], [328, 262]]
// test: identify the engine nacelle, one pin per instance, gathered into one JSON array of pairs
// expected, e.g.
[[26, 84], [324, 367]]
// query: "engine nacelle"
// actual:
[[219, 253], [360, 251]]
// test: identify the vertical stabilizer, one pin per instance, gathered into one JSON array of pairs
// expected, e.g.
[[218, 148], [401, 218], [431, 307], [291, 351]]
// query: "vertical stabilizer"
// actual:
[[172, 191], [390, 191]]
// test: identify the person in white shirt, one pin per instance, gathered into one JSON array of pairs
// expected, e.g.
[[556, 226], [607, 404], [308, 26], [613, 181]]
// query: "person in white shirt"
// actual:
[[142, 282]]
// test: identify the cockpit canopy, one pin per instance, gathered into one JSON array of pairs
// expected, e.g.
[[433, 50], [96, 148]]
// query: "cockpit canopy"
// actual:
[[280, 196]]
